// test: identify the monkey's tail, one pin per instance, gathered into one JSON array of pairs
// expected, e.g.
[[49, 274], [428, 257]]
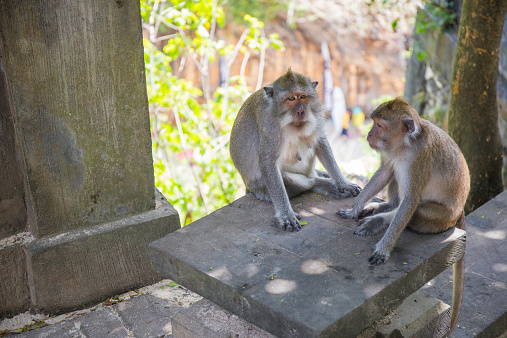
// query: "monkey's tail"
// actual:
[[458, 279]]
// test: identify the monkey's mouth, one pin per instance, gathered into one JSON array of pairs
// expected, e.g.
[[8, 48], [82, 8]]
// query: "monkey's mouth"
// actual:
[[299, 124]]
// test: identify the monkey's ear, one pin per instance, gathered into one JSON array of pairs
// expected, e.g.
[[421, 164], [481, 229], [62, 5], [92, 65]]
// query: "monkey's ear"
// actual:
[[409, 125], [269, 91], [315, 83]]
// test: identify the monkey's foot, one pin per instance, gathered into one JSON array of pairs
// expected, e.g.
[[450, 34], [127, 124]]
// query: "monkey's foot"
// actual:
[[377, 258], [352, 189], [346, 213], [289, 222], [370, 226]]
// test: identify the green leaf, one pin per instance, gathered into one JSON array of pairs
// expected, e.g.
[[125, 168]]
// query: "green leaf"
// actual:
[[277, 44], [303, 223], [173, 284], [394, 24]]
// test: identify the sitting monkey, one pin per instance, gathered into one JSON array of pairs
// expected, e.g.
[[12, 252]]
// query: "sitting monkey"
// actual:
[[427, 175], [274, 140]]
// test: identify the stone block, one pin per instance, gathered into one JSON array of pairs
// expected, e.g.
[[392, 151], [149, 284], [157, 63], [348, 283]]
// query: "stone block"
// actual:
[[77, 268], [484, 310], [12, 204], [418, 316], [81, 110], [205, 319], [146, 316], [104, 323], [14, 293], [315, 282]]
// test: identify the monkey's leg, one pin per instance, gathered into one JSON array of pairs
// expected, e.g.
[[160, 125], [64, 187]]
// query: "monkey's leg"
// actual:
[[295, 184], [401, 216], [258, 188], [322, 173], [431, 218], [325, 155]]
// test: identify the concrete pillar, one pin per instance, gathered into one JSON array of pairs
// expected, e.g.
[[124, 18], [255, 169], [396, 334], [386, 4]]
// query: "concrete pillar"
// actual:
[[76, 92]]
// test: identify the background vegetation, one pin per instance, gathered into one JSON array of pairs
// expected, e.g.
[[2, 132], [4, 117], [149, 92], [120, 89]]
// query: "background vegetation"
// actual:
[[191, 126]]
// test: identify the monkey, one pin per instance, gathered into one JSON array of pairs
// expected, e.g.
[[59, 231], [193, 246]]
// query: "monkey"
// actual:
[[426, 174], [275, 140], [428, 184]]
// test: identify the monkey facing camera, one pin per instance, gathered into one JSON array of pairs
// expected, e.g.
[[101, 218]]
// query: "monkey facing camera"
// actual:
[[426, 173], [278, 133]]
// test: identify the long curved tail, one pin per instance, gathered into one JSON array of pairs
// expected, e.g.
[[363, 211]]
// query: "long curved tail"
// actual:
[[458, 281]]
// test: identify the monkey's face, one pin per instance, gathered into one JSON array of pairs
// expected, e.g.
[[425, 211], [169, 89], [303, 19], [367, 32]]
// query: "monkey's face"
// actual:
[[377, 136], [392, 134], [298, 111]]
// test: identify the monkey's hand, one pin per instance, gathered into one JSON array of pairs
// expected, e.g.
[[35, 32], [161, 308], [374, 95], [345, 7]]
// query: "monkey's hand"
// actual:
[[289, 221]]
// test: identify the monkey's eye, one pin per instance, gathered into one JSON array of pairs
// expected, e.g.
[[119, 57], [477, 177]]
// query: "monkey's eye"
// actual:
[[379, 125], [302, 96], [292, 98]]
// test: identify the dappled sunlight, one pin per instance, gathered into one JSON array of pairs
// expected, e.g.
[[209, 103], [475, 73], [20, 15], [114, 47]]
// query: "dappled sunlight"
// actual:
[[279, 286], [495, 234], [499, 267], [371, 290], [251, 270], [314, 267], [317, 211], [221, 273]]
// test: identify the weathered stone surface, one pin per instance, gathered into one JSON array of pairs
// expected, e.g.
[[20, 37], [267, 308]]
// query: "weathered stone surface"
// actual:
[[206, 319], [12, 203], [146, 316], [77, 82], [484, 310], [77, 268], [104, 323], [14, 293], [315, 282], [418, 316]]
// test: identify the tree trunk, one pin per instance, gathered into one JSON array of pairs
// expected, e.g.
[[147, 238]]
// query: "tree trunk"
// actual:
[[473, 111]]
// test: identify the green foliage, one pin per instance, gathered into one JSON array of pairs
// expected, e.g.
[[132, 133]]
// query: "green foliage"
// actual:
[[262, 9], [191, 123], [435, 17]]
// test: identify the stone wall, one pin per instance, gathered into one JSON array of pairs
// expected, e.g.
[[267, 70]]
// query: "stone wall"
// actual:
[[77, 198], [428, 81]]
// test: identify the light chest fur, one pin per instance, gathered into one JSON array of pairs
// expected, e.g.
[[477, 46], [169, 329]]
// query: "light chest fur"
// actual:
[[297, 153]]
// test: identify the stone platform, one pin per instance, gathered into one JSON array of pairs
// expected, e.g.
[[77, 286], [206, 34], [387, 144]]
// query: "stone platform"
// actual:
[[312, 283]]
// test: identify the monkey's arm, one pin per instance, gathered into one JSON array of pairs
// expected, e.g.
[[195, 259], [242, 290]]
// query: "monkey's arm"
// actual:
[[325, 155], [284, 214], [378, 181], [402, 216]]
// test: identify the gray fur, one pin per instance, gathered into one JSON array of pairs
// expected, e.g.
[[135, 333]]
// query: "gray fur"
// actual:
[[264, 126]]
